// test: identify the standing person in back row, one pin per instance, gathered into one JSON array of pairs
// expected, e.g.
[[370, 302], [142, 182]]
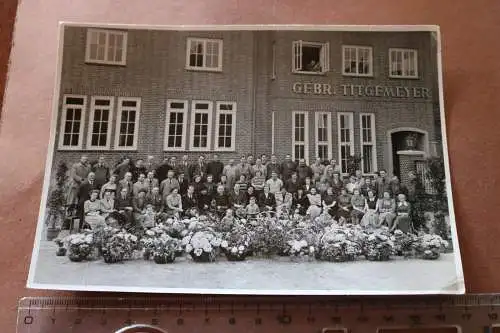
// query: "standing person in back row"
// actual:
[[273, 166], [200, 168], [287, 168], [215, 167]]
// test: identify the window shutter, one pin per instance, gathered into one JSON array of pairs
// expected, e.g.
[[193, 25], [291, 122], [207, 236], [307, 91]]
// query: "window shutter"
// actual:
[[325, 57], [297, 56]]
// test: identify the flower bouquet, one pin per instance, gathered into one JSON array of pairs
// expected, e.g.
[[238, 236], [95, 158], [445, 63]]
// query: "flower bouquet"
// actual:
[[379, 245], [300, 250], [202, 245], [237, 244], [335, 245], [165, 249], [175, 227], [430, 246], [146, 241], [270, 237], [404, 244], [119, 246], [301, 242], [80, 246]]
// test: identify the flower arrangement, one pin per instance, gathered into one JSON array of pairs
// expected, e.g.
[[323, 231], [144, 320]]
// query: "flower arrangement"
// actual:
[[119, 246], [379, 245], [270, 236], [175, 228], [202, 245], [300, 249], [237, 244], [336, 245], [79, 246], [301, 243], [430, 246], [165, 249], [404, 244]]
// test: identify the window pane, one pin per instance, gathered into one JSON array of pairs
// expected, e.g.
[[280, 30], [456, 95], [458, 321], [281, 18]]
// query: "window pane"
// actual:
[[177, 105], [367, 158], [74, 100]]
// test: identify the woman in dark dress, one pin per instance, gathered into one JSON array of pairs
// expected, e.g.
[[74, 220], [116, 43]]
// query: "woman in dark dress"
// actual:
[[370, 219], [344, 206], [300, 202], [403, 210], [329, 202]]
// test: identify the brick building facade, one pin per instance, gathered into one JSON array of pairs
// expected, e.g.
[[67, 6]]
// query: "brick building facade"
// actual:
[[304, 93]]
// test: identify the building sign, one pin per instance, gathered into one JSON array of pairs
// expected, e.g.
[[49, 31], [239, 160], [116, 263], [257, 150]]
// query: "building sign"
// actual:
[[358, 90]]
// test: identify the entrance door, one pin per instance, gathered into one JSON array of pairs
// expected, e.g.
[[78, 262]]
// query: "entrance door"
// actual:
[[407, 146]]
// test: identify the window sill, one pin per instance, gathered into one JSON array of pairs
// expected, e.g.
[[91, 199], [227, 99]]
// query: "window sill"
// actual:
[[401, 77], [98, 148], [64, 148], [309, 73], [107, 63], [358, 75], [203, 69], [124, 149]]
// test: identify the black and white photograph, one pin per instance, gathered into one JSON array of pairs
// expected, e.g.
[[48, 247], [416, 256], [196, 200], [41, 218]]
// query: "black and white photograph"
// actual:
[[273, 160]]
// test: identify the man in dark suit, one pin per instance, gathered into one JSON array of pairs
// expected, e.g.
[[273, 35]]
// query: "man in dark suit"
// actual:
[[84, 193], [138, 169], [189, 200], [126, 182], [273, 166], [185, 168], [124, 205], [101, 171], [200, 168], [287, 168], [214, 168], [155, 199], [162, 170], [267, 201]]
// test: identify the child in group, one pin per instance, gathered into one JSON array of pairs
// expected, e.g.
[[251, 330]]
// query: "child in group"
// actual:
[[252, 209], [227, 221], [149, 217]]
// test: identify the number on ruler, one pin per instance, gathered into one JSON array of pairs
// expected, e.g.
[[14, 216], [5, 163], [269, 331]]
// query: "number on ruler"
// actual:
[[258, 321], [441, 317], [466, 316], [155, 321], [232, 321], [415, 319], [493, 316], [388, 318], [180, 321], [285, 319], [336, 320]]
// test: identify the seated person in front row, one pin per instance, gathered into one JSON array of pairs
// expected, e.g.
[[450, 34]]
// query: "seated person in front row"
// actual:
[[173, 203], [226, 223], [220, 202], [149, 217], [252, 209], [267, 200], [92, 210], [238, 198], [189, 202], [124, 206]]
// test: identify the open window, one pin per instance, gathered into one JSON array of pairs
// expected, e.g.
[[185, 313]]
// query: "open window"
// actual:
[[310, 57]]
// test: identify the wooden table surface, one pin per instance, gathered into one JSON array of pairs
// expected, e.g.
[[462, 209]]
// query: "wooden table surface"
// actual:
[[470, 35]]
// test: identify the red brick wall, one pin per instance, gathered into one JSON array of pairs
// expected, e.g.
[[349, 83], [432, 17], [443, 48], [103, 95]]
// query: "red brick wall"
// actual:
[[155, 72]]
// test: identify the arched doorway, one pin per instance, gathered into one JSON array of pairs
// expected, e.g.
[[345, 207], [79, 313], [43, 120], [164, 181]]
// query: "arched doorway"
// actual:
[[406, 145]]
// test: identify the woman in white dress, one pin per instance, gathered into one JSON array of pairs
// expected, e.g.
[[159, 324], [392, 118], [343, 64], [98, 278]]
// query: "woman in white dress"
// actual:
[[92, 210]]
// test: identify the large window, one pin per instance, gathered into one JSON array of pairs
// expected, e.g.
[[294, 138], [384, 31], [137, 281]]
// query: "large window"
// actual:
[[368, 146], [106, 47], [323, 135], [310, 57], [345, 139], [127, 125], [225, 127], [204, 54], [403, 63], [72, 121], [201, 125], [300, 137], [176, 125], [357, 60], [101, 117]]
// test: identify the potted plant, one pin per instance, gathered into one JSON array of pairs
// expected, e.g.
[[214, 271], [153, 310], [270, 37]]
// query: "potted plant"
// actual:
[[119, 247], [79, 246], [379, 245], [164, 249], [237, 244], [56, 203], [203, 246], [430, 246]]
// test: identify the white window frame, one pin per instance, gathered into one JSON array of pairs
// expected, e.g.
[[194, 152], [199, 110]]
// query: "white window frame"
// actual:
[[306, 135], [350, 116], [297, 57], [119, 119], [233, 125], [373, 142], [88, 59], [194, 111], [204, 67], [65, 108], [170, 110], [357, 48], [90, 128], [328, 143], [403, 75]]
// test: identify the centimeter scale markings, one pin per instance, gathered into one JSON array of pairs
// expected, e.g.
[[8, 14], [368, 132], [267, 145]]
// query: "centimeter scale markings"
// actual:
[[470, 313]]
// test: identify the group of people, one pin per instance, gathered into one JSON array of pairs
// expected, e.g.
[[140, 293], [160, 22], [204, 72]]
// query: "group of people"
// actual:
[[142, 192]]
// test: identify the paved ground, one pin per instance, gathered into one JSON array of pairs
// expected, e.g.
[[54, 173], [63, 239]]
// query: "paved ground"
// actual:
[[258, 274]]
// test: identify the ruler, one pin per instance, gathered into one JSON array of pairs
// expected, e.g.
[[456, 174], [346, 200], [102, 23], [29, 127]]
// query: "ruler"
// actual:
[[183, 314]]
